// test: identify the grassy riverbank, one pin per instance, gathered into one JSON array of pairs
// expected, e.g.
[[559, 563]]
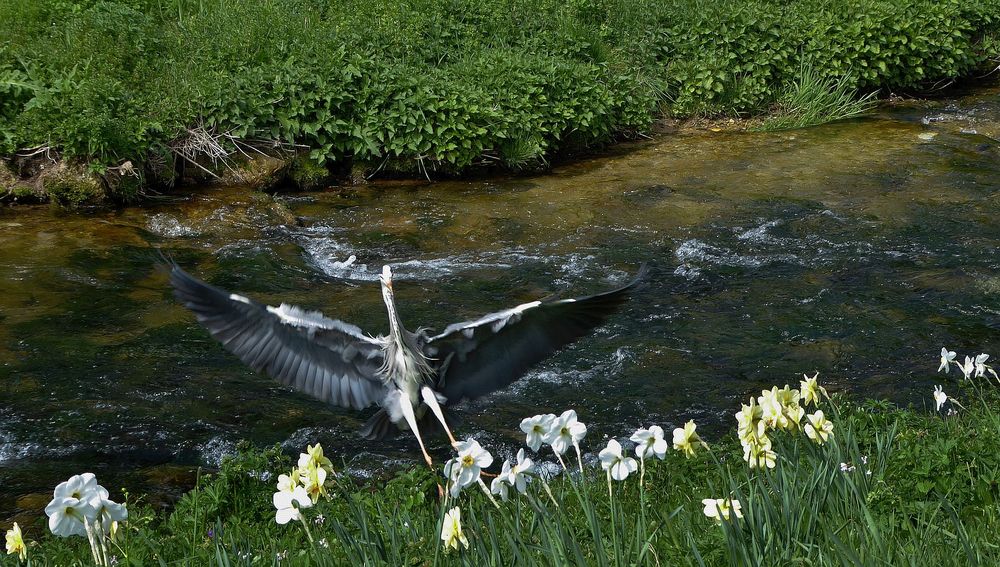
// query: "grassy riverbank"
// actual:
[[890, 486], [149, 92]]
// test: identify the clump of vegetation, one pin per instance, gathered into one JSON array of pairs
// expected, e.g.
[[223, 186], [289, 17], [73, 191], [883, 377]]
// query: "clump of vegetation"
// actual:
[[848, 483], [443, 85], [307, 175], [815, 100]]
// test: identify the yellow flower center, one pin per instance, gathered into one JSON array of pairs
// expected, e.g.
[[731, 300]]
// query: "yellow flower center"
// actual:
[[467, 461]]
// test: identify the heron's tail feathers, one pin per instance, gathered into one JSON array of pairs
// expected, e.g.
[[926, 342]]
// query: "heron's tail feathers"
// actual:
[[380, 426]]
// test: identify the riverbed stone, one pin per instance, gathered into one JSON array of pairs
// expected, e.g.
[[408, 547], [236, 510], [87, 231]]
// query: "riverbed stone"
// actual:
[[259, 173]]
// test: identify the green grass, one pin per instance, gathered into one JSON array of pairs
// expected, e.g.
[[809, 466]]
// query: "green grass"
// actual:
[[920, 488], [814, 100], [444, 85]]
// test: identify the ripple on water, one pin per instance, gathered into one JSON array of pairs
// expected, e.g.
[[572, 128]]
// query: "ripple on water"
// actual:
[[611, 366], [167, 226], [215, 449], [334, 258], [12, 450]]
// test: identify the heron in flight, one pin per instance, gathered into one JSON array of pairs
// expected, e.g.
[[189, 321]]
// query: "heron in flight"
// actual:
[[405, 373]]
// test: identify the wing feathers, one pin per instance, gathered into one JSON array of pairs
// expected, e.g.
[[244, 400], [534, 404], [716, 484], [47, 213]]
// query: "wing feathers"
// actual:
[[325, 358], [495, 350]]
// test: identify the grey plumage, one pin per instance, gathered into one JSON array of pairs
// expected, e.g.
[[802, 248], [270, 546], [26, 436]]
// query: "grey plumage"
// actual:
[[339, 364]]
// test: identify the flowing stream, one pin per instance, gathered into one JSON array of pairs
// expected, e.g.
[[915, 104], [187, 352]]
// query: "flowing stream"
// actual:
[[856, 249]]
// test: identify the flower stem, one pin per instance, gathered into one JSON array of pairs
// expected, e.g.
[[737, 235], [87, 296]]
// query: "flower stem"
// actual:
[[92, 540], [548, 491], [561, 462], [642, 469], [305, 526], [579, 458], [489, 495]]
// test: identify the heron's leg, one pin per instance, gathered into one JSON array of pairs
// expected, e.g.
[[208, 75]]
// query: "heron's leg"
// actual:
[[431, 400], [411, 420]]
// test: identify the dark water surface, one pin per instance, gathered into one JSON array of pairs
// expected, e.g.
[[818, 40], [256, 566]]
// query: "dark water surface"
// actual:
[[856, 249]]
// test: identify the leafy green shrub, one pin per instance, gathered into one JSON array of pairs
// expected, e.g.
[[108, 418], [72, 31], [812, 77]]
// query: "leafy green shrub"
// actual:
[[444, 84]]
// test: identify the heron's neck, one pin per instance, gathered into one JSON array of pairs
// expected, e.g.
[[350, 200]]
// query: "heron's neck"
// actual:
[[404, 366], [395, 325]]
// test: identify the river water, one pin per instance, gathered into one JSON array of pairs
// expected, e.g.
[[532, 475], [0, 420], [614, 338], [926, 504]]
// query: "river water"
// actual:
[[855, 249]]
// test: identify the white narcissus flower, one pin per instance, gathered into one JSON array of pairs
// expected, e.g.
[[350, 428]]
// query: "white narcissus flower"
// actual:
[[108, 512], [968, 368], [80, 486], [313, 479], [314, 456], [451, 530], [720, 509], [501, 483], [685, 438], [536, 428], [287, 483], [758, 454], [285, 504], [617, 464], [810, 390], [79, 500], [464, 470], [650, 442], [749, 425], [451, 471], [794, 413], [771, 409], [15, 543], [980, 363], [566, 432], [947, 357], [67, 515], [74, 501], [819, 429], [519, 473], [939, 397]]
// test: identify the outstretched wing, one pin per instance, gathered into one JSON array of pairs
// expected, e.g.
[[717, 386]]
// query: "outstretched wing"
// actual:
[[485, 355], [327, 359]]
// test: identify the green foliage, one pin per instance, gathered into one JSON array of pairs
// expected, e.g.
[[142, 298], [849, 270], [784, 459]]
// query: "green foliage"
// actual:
[[446, 84]]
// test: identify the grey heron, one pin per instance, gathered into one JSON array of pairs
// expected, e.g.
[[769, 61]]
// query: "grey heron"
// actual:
[[405, 373]]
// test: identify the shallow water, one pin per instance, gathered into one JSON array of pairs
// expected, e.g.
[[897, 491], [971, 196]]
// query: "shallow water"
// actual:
[[855, 249]]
